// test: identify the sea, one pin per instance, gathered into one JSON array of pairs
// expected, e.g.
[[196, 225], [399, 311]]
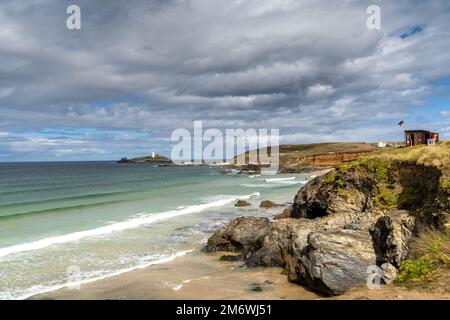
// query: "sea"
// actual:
[[68, 223]]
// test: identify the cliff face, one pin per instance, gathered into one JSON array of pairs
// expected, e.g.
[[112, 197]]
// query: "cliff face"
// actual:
[[295, 158], [351, 223], [320, 160]]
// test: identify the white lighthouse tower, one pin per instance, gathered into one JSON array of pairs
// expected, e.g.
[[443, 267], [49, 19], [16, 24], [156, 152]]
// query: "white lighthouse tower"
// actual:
[[153, 154]]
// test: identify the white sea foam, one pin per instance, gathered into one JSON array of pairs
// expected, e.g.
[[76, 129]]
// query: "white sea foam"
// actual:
[[178, 286], [119, 226], [279, 179], [255, 185], [45, 289], [290, 182], [274, 183]]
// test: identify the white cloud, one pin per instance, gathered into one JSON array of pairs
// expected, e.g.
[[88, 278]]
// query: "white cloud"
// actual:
[[320, 91], [152, 66]]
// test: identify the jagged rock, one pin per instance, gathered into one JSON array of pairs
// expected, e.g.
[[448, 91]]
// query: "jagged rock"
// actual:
[[319, 198], [269, 204], [274, 247], [335, 260], [242, 203], [388, 273], [249, 169], [284, 215], [240, 235], [390, 235]]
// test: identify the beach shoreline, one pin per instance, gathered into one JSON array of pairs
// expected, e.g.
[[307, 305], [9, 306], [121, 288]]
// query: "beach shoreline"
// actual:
[[198, 275], [195, 275]]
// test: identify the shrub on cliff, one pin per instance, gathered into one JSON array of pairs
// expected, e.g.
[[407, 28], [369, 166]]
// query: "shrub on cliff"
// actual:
[[430, 259]]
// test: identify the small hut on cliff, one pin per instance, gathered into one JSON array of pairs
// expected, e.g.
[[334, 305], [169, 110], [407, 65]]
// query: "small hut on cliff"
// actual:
[[416, 137]]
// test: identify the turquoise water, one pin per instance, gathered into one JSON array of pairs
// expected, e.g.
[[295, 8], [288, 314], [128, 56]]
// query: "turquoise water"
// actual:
[[103, 218]]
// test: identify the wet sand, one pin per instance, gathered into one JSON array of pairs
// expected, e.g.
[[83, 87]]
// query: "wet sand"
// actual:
[[196, 275], [201, 276]]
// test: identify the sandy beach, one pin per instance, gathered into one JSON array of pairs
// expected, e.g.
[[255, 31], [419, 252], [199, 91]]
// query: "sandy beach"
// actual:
[[202, 276], [196, 275]]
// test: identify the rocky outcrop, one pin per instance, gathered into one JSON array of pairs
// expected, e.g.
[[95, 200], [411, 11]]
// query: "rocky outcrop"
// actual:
[[320, 197], [241, 235], [269, 204], [242, 203], [334, 260], [328, 254], [282, 244], [285, 214], [391, 235], [342, 226]]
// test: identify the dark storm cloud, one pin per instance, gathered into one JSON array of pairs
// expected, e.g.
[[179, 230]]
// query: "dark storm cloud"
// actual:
[[310, 68]]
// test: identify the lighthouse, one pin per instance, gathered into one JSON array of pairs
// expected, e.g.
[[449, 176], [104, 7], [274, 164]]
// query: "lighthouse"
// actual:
[[153, 154]]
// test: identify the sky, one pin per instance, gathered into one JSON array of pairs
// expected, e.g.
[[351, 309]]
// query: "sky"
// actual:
[[137, 70]]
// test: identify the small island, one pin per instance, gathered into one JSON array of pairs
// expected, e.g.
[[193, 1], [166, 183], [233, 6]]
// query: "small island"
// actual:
[[154, 159]]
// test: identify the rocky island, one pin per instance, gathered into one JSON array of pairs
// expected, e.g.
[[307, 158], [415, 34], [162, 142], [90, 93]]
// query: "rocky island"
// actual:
[[154, 159], [383, 215]]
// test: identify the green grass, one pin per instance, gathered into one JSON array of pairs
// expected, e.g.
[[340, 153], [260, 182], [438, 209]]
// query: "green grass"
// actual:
[[415, 270], [386, 198], [430, 260], [445, 185], [381, 167], [331, 177]]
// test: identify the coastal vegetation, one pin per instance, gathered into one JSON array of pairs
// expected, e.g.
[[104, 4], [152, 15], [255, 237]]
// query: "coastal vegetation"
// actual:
[[388, 208], [429, 262], [414, 178]]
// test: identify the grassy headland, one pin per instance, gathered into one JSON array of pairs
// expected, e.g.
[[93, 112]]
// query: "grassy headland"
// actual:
[[416, 179]]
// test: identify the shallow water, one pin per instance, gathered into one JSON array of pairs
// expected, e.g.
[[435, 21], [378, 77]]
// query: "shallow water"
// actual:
[[77, 222]]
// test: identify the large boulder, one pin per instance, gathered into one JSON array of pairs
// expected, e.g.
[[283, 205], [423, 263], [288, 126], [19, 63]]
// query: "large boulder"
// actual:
[[276, 246], [241, 235], [334, 260], [391, 234], [321, 197]]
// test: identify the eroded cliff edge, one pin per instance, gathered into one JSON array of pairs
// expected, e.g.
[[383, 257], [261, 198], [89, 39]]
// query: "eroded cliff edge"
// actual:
[[356, 219]]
